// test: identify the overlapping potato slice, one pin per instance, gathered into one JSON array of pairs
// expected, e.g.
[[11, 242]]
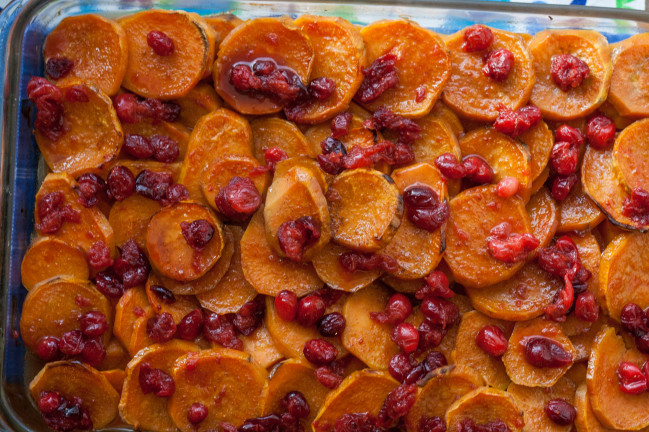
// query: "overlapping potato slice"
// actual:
[[539, 140], [261, 347], [116, 378], [177, 307], [578, 212], [328, 268], [49, 257], [532, 401], [583, 341], [450, 339], [402, 285], [630, 155], [628, 93], [130, 217], [201, 100], [484, 405], [306, 163], [544, 216], [223, 24], [270, 132], [116, 356], [442, 112], [586, 420], [133, 307]]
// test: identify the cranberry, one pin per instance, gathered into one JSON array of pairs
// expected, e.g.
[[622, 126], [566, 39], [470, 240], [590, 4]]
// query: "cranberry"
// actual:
[[249, 317], [396, 310], [405, 335], [560, 412], [161, 328], [309, 310], [600, 131], [331, 325], [477, 38], [477, 170], [160, 43], [48, 348], [331, 163], [94, 351], [449, 166], [238, 199], [108, 284], [138, 146], [176, 193], [430, 335], [49, 401], [356, 422], [76, 93], [197, 233], [273, 156], [398, 402], [354, 261], [516, 123], [158, 110], [132, 266], [197, 413], [508, 187], [510, 247], [330, 296], [360, 157], [296, 236], [543, 352], [53, 212], [416, 374], [71, 343], [642, 343], [126, 107], [424, 208], [153, 185], [243, 78], [468, 425], [328, 377], [63, 415], [295, 404], [49, 108], [408, 130], [435, 360], [562, 185], [58, 67], [91, 188], [636, 206], [155, 381], [568, 71], [165, 149], [286, 305], [569, 134], [435, 284], [93, 323], [632, 380], [219, 329], [492, 340], [320, 352], [440, 312], [266, 79], [634, 320], [400, 366], [99, 256], [498, 64], [379, 77], [561, 259], [564, 158], [586, 307], [321, 88], [431, 424], [191, 325], [340, 124], [121, 182]]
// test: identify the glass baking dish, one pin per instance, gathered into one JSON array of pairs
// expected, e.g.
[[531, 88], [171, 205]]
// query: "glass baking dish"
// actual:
[[23, 27]]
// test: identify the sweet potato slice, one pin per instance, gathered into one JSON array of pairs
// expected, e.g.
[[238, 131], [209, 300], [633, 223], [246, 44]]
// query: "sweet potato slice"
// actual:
[[613, 408], [628, 93], [402, 285], [116, 356], [148, 411], [423, 65], [266, 271], [586, 420], [137, 166], [587, 45], [232, 290], [520, 371], [544, 216], [339, 54], [532, 401], [171, 76], [583, 342], [97, 48], [540, 180], [328, 267], [417, 251], [148, 128], [54, 307], [474, 212], [366, 209], [49, 257], [261, 346], [168, 250], [306, 163], [131, 307], [484, 405], [629, 155], [296, 194], [116, 378], [578, 212], [177, 308], [227, 382], [201, 100], [70, 379], [539, 140], [270, 132], [130, 218], [140, 338], [445, 386], [223, 25], [249, 41], [474, 95], [216, 134], [468, 355], [442, 112], [362, 392]]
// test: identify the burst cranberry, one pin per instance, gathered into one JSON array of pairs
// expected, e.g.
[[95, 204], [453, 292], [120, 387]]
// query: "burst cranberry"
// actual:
[[440, 312], [94, 351], [58, 67], [238, 199], [508, 187], [405, 335], [121, 182], [197, 233], [634, 320], [435, 360], [330, 296], [435, 284], [71, 343], [632, 380], [636, 206], [564, 157], [360, 157], [197, 413], [400, 366], [286, 305], [430, 335], [158, 110], [266, 78], [93, 323], [562, 185], [492, 340], [219, 329], [249, 317], [91, 187], [99, 256], [138, 146], [296, 236], [320, 352], [449, 166], [586, 307], [321, 88], [176, 193], [165, 149], [191, 325], [153, 185], [477, 38], [132, 266], [126, 107], [328, 377], [340, 124], [569, 134], [498, 64], [309, 310], [295, 404], [408, 130], [396, 310], [424, 208], [273, 156], [477, 170], [49, 108], [161, 328], [543, 352], [560, 259], [332, 325], [510, 247], [560, 412], [63, 415], [53, 212], [515, 123], [108, 284], [568, 71], [600, 131], [398, 402], [160, 43], [243, 79], [156, 381], [48, 348], [379, 77], [48, 402], [356, 422], [431, 424]]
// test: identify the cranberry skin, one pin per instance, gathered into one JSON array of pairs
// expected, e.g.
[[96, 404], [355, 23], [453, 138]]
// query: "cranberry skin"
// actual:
[[176, 193], [406, 336], [508, 187], [431, 424], [492, 340], [515, 123], [436, 285], [321, 88], [429, 218], [340, 124], [132, 266], [108, 284], [93, 324], [332, 325], [320, 352], [636, 206], [156, 381], [295, 404], [430, 335], [568, 71], [58, 67], [297, 235], [328, 377], [163, 294], [440, 312], [219, 329], [564, 157], [286, 305], [49, 401], [435, 360], [121, 182], [165, 149], [420, 196], [238, 199], [399, 401], [191, 325], [600, 131], [91, 188], [642, 343], [197, 413], [243, 79], [569, 134], [153, 185], [249, 317], [161, 328], [543, 352], [379, 77], [71, 343], [400, 366], [449, 166], [632, 380], [48, 348], [634, 320], [197, 233], [357, 422], [498, 64], [138, 146], [477, 38], [94, 351], [562, 185], [477, 170], [160, 43], [560, 412], [309, 310], [586, 307]]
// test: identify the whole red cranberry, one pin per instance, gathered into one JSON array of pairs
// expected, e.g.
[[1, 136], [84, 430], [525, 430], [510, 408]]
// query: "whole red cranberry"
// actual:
[[634, 320], [424, 208], [121, 182], [600, 131], [165, 148], [153, 185], [508, 187], [53, 212], [564, 157], [219, 329], [176, 193], [477, 38], [48, 348], [197, 413], [99, 256], [91, 188], [58, 67], [191, 325], [161, 328], [93, 323], [562, 185], [155, 381], [439, 311], [321, 88], [406, 336], [431, 424], [569, 134], [109, 284], [379, 77], [568, 71], [477, 170], [71, 343], [430, 335], [249, 316], [400, 366], [396, 310], [449, 166], [436, 284], [332, 325], [515, 123], [398, 403], [434, 360], [286, 305], [543, 352], [197, 233], [161, 44], [491, 339], [138, 146], [126, 107], [238, 199], [295, 404], [132, 266], [510, 247], [93, 351], [320, 352], [632, 380], [642, 343], [309, 310], [49, 401], [328, 377], [586, 307], [297, 235], [340, 124], [560, 412], [498, 64]]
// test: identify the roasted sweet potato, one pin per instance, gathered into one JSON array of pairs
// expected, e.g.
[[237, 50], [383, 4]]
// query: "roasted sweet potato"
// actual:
[[443, 112], [167, 76], [484, 405], [223, 25], [590, 256], [629, 155], [261, 347], [613, 408], [588, 46], [116, 356], [305, 163], [95, 45], [130, 218], [48, 257], [169, 251], [474, 95], [270, 132], [178, 307], [583, 342], [358, 135], [54, 307], [586, 420], [116, 378], [628, 93], [219, 133], [266, 271], [220, 171], [328, 267], [148, 128], [148, 411], [140, 338], [132, 306], [578, 212], [544, 216], [288, 47], [227, 382], [73, 379], [201, 100], [423, 65], [402, 285], [474, 213], [363, 391], [609, 110], [520, 371], [532, 402], [539, 140], [540, 180]]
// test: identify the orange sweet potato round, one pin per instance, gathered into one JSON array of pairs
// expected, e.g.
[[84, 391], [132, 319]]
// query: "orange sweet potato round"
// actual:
[[116, 356], [49, 257], [532, 402], [544, 216], [130, 218], [449, 341], [583, 342], [540, 180], [578, 212], [201, 100], [270, 132], [539, 140], [132, 306], [116, 378], [96, 46], [304, 163], [628, 93], [328, 267], [586, 420], [423, 65], [484, 405], [402, 285], [629, 155], [442, 112], [223, 25], [474, 95], [261, 347]]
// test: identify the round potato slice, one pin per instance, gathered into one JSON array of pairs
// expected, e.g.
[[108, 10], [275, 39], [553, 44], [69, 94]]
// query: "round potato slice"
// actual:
[[402, 285], [132, 306], [539, 140], [584, 341], [473, 94], [306, 163], [130, 218], [586, 420], [544, 216], [540, 180], [200, 377], [223, 24], [49, 257], [201, 100], [628, 93], [261, 347], [578, 212], [532, 401], [629, 155], [270, 132], [115, 377], [442, 112], [423, 65], [484, 405], [328, 268], [588, 46], [73, 379], [168, 250], [116, 356]]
